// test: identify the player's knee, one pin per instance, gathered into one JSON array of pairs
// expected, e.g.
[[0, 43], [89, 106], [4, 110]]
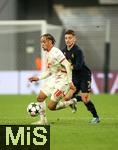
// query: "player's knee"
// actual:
[[51, 106], [40, 99], [85, 98]]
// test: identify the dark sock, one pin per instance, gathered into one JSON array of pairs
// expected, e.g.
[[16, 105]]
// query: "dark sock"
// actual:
[[90, 106], [77, 97]]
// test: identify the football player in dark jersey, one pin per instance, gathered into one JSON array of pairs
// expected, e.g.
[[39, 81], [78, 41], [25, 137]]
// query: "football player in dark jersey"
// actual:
[[81, 74]]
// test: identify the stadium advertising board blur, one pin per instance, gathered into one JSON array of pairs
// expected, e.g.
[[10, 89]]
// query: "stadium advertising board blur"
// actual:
[[98, 82], [16, 82], [9, 82]]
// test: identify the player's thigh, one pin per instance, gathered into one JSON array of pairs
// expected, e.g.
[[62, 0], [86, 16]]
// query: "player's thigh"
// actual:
[[56, 96], [60, 90], [48, 87], [69, 94], [85, 84]]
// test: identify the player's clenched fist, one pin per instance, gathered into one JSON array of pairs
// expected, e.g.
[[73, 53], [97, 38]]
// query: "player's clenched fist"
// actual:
[[33, 79]]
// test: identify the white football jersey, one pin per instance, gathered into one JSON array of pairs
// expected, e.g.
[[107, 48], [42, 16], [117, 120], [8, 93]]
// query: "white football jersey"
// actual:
[[59, 79], [54, 59]]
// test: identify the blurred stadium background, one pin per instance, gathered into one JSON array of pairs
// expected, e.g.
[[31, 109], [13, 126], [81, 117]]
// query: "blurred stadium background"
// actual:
[[96, 24]]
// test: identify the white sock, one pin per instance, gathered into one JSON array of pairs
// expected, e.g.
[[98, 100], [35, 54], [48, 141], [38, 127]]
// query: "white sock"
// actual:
[[42, 111], [62, 105]]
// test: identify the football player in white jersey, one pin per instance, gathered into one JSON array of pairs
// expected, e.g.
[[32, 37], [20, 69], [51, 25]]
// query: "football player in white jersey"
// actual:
[[60, 82]]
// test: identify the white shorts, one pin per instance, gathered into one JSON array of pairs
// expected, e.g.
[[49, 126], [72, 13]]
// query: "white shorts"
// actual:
[[56, 88]]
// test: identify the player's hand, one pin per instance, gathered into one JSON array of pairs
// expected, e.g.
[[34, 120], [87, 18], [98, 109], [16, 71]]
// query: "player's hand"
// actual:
[[33, 79], [72, 86]]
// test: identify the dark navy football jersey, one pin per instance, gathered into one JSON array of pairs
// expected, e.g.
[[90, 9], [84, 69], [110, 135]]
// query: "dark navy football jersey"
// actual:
[[76, 58]]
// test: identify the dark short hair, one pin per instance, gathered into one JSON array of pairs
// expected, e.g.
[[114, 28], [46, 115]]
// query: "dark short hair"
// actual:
[[50, 37], [70, 32]]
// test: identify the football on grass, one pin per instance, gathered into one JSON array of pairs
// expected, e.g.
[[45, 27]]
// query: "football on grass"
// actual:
[[33, 109]]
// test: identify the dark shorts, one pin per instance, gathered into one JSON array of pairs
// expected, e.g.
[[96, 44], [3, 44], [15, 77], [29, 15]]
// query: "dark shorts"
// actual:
[[83, 84]]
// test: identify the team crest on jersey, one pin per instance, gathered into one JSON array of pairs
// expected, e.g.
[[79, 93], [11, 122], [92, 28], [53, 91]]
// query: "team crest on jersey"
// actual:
[[72, 55]]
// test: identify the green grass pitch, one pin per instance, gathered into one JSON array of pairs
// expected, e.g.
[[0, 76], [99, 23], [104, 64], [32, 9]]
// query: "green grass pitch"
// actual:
[[69, 131]]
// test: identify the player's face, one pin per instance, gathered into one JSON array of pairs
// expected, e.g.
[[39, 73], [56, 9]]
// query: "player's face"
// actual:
[[45, 43], [69, 40]]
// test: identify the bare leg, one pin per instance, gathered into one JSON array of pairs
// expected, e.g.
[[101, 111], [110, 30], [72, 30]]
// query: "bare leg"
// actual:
[[41, 102]]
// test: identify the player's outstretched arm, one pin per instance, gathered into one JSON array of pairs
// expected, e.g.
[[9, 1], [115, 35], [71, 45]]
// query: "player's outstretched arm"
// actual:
[[43, 76]]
